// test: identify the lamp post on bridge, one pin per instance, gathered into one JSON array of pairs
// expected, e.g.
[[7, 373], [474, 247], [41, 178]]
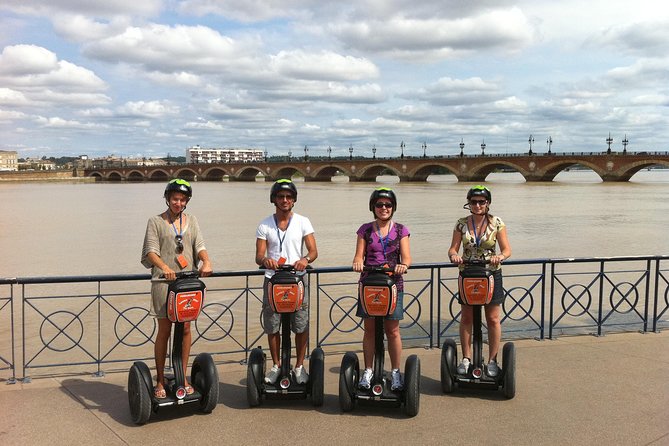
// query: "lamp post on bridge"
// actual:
[[402, 149], [424, 149], [625, 142], [350, 152], [483, 148], [306, 156], [265, 155], [462, 147], [549, 141], [329, 153], [374, 151], [290, 155], [530, 140], [609, 141]]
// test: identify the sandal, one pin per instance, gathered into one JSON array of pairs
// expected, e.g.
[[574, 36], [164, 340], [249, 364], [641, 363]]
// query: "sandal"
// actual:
[[189, 390], [159, 392]]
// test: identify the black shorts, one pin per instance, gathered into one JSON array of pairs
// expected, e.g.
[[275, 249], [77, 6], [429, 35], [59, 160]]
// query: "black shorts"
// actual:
[[498, 294]]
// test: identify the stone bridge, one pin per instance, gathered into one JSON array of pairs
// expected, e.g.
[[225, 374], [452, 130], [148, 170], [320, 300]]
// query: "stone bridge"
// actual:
[[609, 166]]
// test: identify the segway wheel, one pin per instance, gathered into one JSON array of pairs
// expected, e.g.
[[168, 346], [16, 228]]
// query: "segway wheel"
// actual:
[[317, 376], [412, 386], [509, 369], [449, 356], [348, 380], [139, 397], [204, 377], [254, 376]]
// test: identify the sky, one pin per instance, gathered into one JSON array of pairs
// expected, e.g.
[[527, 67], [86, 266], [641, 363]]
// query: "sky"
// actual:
[[150, 78]]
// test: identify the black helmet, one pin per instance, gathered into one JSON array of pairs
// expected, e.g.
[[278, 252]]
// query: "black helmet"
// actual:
[[480, 191], [283, 184], [382, 192], [178, 185]]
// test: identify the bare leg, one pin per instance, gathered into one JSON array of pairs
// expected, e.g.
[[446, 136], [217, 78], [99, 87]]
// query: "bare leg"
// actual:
[[160, 349], [493, 319], [392, 329], [466, 320], [301, 346], [274, 341], [368, 341], [185, 350]]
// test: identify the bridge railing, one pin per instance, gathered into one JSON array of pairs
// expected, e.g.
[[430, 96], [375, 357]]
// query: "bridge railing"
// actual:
[[93, 324]]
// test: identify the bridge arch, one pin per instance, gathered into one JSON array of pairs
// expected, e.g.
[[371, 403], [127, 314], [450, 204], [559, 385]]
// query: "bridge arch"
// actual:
[[114, 176], [487, 167], [135, 175], [553, 169], [286, 172], [249, 173], [371, 171], [326, 173], [633, 168], [421, 172], [159, 175], [214, 174]]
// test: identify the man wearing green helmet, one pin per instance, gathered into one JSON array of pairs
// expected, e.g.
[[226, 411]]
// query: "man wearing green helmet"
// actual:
[[279, 240]]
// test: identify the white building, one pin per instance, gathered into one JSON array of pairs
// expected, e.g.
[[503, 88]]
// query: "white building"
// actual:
[[8, 160], [197, 154]]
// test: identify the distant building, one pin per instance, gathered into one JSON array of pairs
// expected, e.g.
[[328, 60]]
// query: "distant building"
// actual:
[[198, 155], [8, 160], [37, 164]]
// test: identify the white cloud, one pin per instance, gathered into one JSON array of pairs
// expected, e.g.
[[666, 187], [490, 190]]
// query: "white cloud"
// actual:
[[151, 109], [107, 8], [324, 65]]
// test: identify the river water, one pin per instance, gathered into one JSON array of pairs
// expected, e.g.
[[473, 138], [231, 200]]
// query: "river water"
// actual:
[[54, 229]]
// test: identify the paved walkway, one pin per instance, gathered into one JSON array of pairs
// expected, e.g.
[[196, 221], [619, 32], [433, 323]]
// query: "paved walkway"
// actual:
[[612, 390]]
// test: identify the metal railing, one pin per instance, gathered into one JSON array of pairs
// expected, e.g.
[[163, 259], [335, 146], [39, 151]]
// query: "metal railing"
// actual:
[[83, 324]]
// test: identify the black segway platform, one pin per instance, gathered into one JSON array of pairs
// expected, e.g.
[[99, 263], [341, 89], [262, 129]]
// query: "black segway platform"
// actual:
[[185, 301], [286, 293], [378, 296], [476, 286]]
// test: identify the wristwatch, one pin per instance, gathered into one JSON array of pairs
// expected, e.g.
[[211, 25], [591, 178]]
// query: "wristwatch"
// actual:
[[308, 258]]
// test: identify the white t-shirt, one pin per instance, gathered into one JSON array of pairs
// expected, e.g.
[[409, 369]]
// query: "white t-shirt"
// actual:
[[286, 244]]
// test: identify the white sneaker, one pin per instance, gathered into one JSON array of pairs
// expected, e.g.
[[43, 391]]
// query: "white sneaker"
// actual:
[[397, 380], [273, 374], [366, 379], [301, 376], [492, 370], [463, 367]]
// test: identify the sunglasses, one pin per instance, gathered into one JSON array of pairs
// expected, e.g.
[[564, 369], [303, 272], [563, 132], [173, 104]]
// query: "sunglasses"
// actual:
[[383, 205], [478, 202], [180, 245]]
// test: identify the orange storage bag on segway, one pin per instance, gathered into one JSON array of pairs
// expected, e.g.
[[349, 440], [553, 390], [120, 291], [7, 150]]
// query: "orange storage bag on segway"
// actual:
[[378, 294], [185, 299], [476, 285], [285, 291]]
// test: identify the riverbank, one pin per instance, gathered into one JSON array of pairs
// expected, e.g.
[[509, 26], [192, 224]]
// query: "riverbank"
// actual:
[[43, 176]]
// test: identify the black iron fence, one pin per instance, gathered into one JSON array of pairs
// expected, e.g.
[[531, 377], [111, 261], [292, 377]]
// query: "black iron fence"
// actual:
[[93, 324]]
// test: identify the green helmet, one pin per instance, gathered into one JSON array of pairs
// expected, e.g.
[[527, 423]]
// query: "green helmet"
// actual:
[[382, 192], [178, 185], [282, 184], [480, 191]]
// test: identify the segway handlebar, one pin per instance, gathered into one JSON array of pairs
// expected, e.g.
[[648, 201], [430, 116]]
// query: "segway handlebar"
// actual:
[[378, 269], [180, 275]]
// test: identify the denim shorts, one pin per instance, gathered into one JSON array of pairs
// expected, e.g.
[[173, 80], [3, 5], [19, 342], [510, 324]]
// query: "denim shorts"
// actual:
[[299, 321], [397, 315]]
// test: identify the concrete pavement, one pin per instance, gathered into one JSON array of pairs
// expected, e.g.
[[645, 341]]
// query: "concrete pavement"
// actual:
[[612, 390]]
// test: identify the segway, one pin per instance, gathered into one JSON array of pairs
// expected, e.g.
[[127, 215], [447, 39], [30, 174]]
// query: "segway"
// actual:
[[185, 299], [286, 293], [476, 286], [378, 297]]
